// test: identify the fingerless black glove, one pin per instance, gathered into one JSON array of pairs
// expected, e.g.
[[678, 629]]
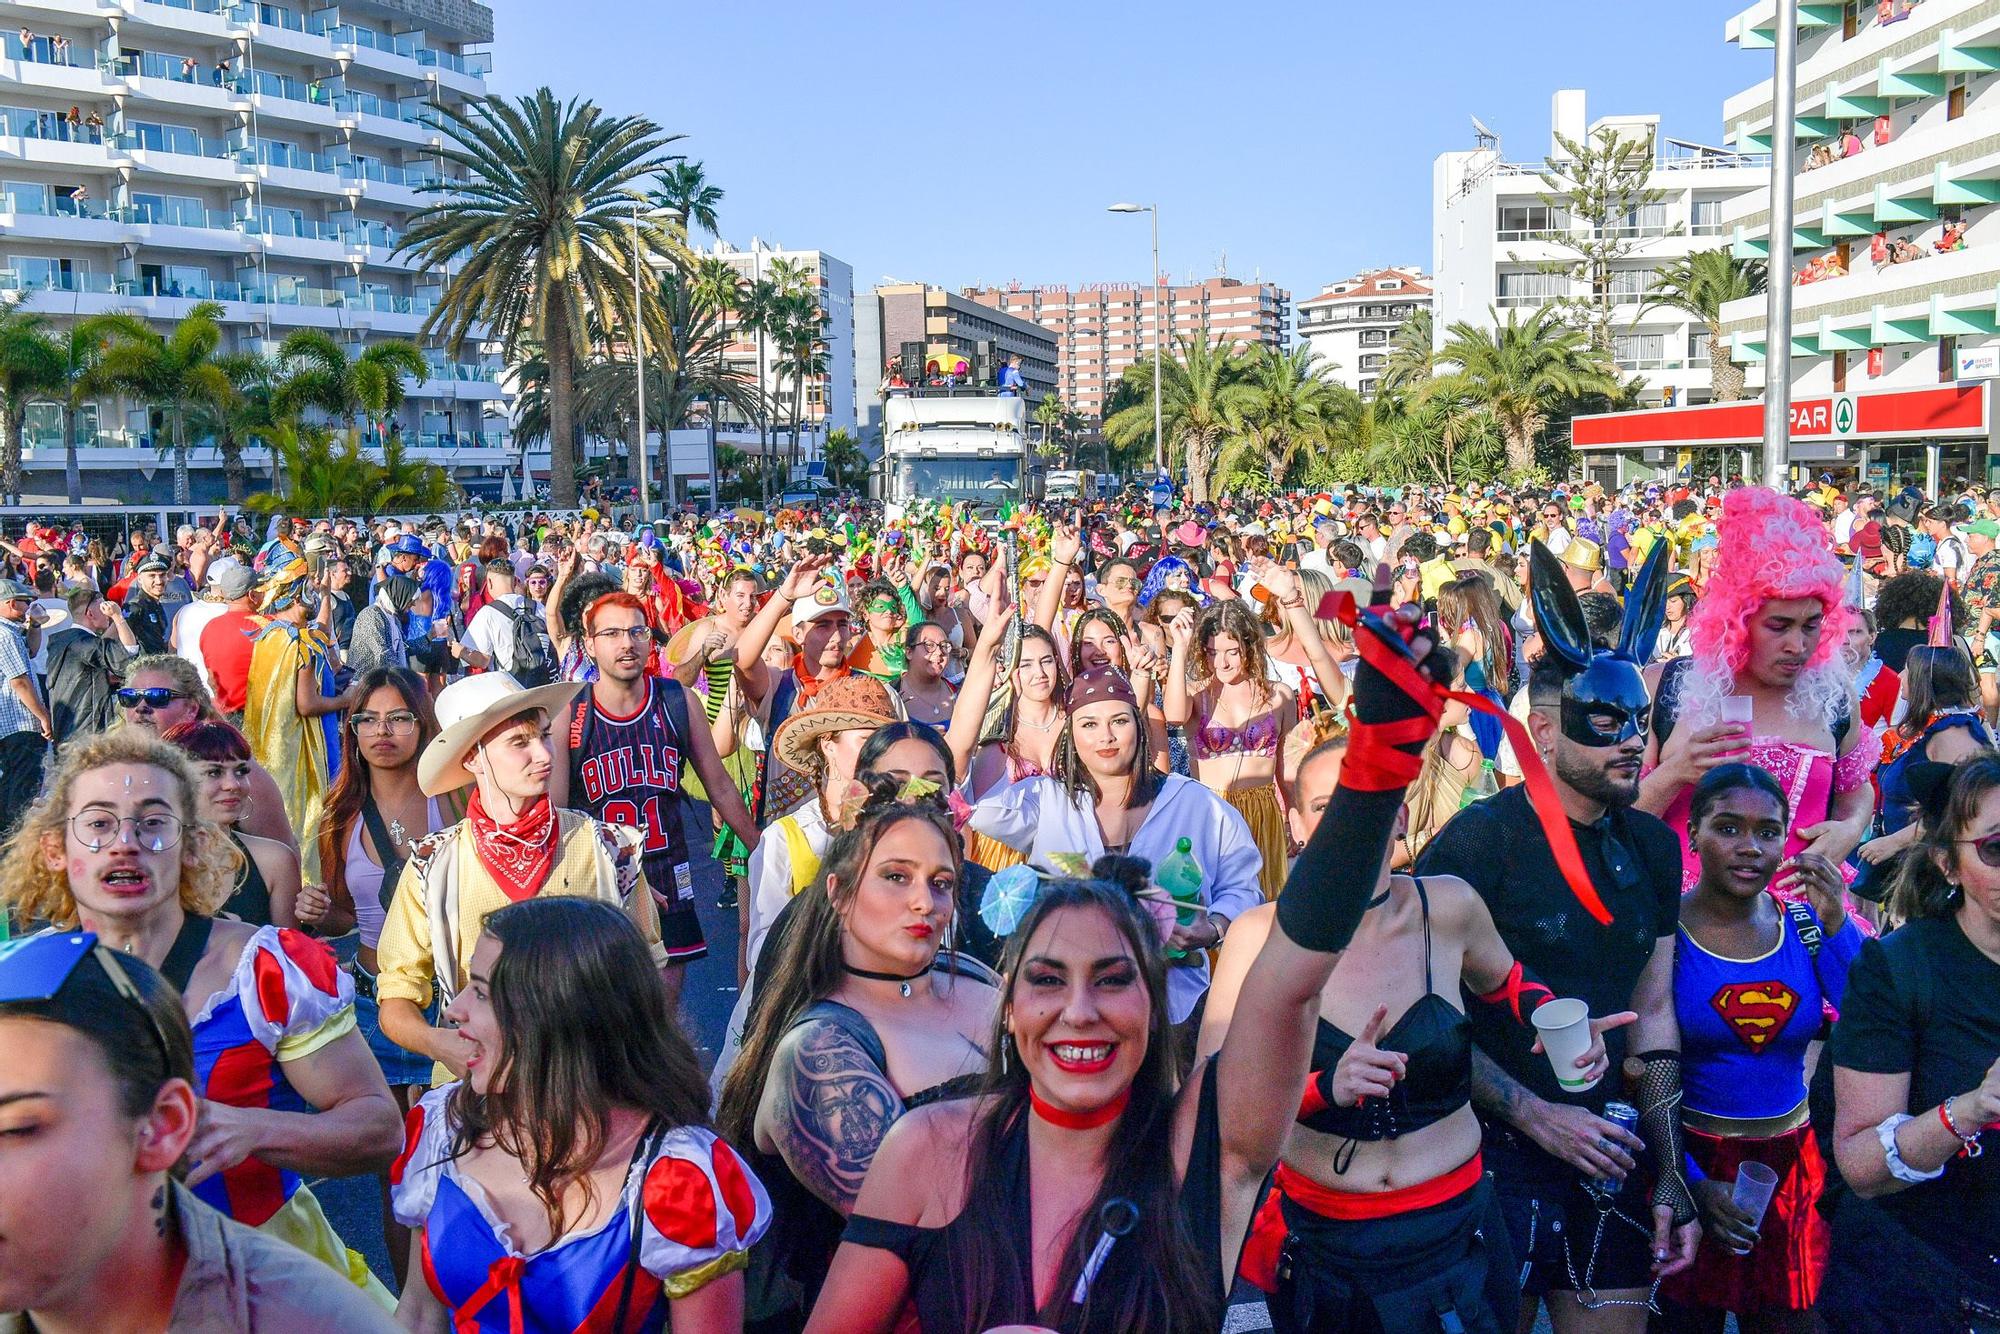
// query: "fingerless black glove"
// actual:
[[1660, 1124]]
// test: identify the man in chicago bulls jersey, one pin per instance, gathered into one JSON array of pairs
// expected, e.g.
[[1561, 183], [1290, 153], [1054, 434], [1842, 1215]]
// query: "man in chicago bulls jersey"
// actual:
[[619, 751], [1752, 978]]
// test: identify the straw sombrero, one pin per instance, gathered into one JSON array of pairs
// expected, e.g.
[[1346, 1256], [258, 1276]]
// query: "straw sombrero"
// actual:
[[853, 701]]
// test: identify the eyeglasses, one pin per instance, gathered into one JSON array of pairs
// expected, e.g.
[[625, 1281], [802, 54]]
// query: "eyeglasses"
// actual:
[[36, 968], [153, 697], [1988, 848], [933, 646], [402, 720], [636, 633], [1124, 583], [99, 829]]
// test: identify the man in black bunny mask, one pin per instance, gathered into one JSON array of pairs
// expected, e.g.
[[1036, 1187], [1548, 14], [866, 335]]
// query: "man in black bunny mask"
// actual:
[[1589, 1238]]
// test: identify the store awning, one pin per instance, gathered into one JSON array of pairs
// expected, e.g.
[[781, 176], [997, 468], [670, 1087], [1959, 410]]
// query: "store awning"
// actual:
[[1951, 411]]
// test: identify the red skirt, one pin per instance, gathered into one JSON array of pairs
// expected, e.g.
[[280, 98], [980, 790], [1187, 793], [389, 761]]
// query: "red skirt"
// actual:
[[1783, 1270]]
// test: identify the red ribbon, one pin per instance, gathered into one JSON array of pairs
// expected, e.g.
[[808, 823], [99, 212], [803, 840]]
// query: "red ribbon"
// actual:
[[503, 1276], [1382, 766]]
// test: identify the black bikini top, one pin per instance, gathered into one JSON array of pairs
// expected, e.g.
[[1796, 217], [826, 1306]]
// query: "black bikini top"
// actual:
[[1433, 1033]]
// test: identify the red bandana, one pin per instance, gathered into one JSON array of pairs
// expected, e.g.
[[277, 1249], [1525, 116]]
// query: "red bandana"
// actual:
[[809, 684], [519, 856]]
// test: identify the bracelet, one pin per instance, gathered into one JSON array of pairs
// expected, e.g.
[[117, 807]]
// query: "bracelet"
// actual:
[[1893, 1157], [1969, 1146], [1294, 606]]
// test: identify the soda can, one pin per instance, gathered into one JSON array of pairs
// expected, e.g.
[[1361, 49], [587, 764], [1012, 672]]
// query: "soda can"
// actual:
[[1623, 1115]]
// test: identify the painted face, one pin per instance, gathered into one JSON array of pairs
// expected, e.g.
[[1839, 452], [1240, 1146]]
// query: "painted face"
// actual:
[[132, 815], [1078, 1010], [225, 789], [472, 1011], [884, 616], [1177, 580], [1106, 737], [900, 914], [1740, 841], [1784, 634]]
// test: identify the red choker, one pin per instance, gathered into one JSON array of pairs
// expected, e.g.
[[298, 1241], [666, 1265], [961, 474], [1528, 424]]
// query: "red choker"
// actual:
[[1102, 1116]]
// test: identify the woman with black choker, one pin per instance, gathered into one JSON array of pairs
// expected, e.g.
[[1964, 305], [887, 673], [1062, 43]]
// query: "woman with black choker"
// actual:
[[1048, 1200]]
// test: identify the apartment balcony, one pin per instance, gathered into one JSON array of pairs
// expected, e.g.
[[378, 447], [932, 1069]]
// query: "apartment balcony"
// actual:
[[39, 216], [1936, 296], [46, 139], [74, 78]]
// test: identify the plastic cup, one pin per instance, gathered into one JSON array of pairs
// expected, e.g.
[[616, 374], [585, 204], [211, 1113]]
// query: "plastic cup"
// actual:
[[1738, 709], [1564, 1027], [1755, 1185]]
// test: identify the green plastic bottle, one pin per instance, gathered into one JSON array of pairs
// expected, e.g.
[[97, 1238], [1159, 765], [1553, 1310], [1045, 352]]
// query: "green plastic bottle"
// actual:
[[1484, 784], [1180, 875]]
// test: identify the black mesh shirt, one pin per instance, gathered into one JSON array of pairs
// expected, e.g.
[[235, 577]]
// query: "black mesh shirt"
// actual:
[[1634, 861]]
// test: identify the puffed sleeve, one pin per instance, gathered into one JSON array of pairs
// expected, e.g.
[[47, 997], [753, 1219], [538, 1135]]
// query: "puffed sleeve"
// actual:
[[294, 995], [1010, 814], [703, 1210], [413, 1177]]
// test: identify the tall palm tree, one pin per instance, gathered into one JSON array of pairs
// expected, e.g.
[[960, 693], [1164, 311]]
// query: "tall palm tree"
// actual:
[[1700, 284], [30, 369], [1291, 402], [685, 191], [1203, 395], [317, 372], [175, 373], [543, 225], [250, 415], [802, 355], [1052, 416], [1524, 372], [717, 288], [78, 349], [1412, 357]]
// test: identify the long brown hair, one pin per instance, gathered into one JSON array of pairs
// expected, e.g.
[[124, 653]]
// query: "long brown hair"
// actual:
[[1067, 767], [350, 787], [586, 1027], [1923, 887], [1171, 1291], [1232, 618], [1934, 679], [809, 966]]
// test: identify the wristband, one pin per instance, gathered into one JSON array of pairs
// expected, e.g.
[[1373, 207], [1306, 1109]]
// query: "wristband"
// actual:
[[1892, 1157], [1969, 1146]]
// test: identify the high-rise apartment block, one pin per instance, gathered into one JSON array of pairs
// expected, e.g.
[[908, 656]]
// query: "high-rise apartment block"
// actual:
[[1350, 324], [1499, 244], [266, 156], [1102, 328], [827, 402]]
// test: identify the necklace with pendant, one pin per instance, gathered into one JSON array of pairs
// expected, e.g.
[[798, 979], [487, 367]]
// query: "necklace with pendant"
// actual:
[[397, 834]]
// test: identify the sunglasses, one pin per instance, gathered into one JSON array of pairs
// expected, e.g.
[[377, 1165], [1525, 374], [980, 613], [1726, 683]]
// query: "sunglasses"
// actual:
[[36, 968], [153, 697], [1988, 848]]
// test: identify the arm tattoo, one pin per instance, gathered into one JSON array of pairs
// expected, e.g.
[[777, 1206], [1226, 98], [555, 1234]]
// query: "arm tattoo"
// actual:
[[836, 1107], [1495, 1091]]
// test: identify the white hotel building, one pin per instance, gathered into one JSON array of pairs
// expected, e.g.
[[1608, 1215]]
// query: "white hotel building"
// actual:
[[1487, 262], [1920, 96], [264, 155], [828, 403], [1351, 323]]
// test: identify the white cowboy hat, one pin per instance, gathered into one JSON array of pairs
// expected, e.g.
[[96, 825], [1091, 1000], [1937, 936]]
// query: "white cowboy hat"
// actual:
[[467, 710]]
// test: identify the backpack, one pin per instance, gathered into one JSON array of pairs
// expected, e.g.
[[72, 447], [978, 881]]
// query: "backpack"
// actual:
[[530, 659]]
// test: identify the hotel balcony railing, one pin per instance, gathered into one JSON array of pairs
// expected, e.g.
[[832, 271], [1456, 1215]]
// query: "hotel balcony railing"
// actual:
[[270, 16], [285, 225], [45, 203], [179, 213], [475, 65], [377, 235], [194, 6], [462, 372], [172, 139], [28, 123], [407, 45], [162, 65], [288, 294], [295, 159], [263, 83], [371, 105], [411, 177]]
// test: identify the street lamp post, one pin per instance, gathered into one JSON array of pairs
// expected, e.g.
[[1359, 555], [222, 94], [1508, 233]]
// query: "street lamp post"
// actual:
[[1159, 331], [1778, 287], [639, 369]]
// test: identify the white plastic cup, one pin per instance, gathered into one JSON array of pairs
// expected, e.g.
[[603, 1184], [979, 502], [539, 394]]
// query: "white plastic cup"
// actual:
[[1756, 1183], [1564, 1027]]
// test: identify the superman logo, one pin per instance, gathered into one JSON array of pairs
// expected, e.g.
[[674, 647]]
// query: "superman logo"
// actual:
[[1755, 1011]]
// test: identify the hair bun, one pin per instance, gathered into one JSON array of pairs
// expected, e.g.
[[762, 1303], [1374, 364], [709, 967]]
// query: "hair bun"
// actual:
[[1131, 874]]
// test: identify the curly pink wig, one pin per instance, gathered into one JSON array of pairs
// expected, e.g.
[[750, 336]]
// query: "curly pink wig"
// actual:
[[1771, 548]]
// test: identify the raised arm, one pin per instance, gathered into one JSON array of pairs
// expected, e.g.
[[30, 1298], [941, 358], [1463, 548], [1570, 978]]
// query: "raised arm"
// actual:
[[799, 581], [1284, 585], [1178, 700], [1063, 549], [968, 710]]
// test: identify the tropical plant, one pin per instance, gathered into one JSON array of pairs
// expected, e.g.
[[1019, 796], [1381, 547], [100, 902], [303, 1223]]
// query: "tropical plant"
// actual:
[[403, 485], [250, 415], [1700, 285], [802, 353], [314, 476], [176, 373], [1291, 402], [30, 368], [1204, 394], [315, 372], [845, 463], [543, 227], [1412, 355], [1524, 373], [685, 191], [1052, 416]]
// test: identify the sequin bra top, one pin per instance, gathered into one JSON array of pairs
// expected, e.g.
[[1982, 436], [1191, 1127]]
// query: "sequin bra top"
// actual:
[[1259, 736]]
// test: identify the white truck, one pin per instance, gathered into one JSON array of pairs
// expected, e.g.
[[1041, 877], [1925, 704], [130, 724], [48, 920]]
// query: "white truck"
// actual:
[[956, 445]]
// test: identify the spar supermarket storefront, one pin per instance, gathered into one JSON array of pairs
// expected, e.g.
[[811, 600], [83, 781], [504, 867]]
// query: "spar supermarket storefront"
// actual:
[[1928, 437]]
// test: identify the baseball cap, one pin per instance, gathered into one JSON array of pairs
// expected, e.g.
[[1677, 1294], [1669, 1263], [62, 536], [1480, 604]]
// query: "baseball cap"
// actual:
[[232, 582], [13, 590], [407, 544], [1984, 528], [825, 600]]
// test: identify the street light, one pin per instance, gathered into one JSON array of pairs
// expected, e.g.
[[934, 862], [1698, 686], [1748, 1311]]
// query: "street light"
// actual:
[[1159, 333], [639, 368]]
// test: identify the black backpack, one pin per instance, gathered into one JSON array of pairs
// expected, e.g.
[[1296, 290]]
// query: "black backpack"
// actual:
[[531, 660]]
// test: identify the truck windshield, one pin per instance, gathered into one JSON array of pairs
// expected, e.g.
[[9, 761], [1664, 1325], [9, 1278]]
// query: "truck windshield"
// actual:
[[959, 479]]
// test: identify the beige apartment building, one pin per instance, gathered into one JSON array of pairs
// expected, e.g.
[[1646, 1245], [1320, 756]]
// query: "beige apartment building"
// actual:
[[1101, 328]]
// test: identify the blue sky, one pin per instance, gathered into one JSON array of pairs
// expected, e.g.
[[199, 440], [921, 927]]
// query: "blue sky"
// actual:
[[955, 143]]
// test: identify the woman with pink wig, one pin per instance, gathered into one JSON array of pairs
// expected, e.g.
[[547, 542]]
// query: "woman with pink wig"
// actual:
[[1766, 684]]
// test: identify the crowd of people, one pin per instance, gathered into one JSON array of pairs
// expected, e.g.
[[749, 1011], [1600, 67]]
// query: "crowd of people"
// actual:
[[1425, 906]]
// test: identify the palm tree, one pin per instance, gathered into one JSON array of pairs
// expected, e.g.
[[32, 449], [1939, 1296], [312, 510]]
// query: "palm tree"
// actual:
[[317, 478], [1203, 395], [401, 484], [1524, 372], [1412, 358], [250, 415], [844, 459], [1700, 285], [1291, 402], [543, 224], [78, 349], [1052, 416], [717, 288], [685, 191], [318, 373], [802, 355], [30, 368], [175, 372]]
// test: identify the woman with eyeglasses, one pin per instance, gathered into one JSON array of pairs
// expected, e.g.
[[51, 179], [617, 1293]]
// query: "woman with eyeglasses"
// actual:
[[537, 586], [927, 696], [97, 1110], [288, 1087], [1916, 1080], [570, 1181], [267, 879], [160, 693]]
